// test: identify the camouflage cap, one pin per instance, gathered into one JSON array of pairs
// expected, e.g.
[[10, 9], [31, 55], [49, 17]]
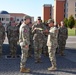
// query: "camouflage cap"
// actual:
[[38, 18], [26, 17], [50, 20]]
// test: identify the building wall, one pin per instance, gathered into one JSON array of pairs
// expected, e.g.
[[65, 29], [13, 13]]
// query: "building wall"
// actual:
[[47, 12], [59, 12], [70, 8]]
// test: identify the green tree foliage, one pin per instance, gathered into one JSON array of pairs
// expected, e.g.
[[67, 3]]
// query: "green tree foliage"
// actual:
[[66, 22], [71, 22]]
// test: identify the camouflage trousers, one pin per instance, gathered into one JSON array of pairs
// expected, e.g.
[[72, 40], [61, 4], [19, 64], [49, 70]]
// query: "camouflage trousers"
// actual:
[[1, 42], [61, 46], [38, 44], [13, 47], [45, 48], [51, 51], [24, 56]]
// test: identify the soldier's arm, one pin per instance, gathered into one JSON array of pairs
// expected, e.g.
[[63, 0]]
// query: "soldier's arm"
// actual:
[[25, 36], [20, 35], [33, 29], [66, 33]]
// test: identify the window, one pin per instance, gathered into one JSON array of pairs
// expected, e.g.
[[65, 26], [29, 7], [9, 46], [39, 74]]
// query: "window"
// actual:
[[75, 4], [75, 9], [75, 15], [67, 4], [67, 10], [7, 19], [22, 20], [0, 19], [17, 19]]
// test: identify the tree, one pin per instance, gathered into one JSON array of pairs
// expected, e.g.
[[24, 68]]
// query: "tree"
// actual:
[[71, 22], [66, 22]]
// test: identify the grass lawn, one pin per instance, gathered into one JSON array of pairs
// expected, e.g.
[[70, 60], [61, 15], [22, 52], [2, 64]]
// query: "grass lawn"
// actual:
[[71, 32]]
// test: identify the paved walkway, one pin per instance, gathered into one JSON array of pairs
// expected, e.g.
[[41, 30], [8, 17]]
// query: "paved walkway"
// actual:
[[66, 65]]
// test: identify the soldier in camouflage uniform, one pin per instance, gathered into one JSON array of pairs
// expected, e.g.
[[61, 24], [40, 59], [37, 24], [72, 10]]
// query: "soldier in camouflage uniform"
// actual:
[[2, 37], [31, 41], [45, 48], [13, 38], [24, 40], [62, 37], [52, 44], [38, 39]]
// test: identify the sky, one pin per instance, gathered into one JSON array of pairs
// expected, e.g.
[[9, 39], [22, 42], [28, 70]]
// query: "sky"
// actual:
[[29, 7]]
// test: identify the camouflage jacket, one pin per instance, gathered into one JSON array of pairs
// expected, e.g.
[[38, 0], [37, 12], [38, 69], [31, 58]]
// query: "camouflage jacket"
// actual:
[[13, 33], [2, 32], [52, 37], [62, 33], [24, 35], [38, 33]]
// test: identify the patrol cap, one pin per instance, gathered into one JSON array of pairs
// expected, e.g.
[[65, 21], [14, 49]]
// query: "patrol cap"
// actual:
[[50, 20], [26, 17], [38, 18]]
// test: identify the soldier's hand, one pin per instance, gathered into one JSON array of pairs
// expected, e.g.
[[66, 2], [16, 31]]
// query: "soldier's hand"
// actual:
[[34, 28], [26, 46]]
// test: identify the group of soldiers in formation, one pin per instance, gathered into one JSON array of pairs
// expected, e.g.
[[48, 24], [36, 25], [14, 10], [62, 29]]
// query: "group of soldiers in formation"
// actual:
[[42, 38]]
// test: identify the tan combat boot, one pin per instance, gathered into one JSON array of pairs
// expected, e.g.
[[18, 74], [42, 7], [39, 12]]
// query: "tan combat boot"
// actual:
[[24, 70], [52, 68]]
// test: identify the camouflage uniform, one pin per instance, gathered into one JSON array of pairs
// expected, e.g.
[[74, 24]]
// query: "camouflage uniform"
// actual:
[[13, 39], [31, 42], [62, 37], [45, 48], [52, 44], [24, 39], [2, 37], [38, 39]]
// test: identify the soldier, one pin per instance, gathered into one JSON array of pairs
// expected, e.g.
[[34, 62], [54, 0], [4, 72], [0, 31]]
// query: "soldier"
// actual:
[[31, 41], [62, 37], [2, 37], [45, 48], [24, 40], [52, 44], [13, 38], [56, 25], [38, 39]]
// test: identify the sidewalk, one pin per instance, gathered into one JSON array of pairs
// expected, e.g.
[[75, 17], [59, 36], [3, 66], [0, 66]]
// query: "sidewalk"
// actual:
[[66, 65]]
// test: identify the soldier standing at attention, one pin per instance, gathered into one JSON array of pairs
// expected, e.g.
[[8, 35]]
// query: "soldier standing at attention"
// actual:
[[38, 39], [52, 44], [62, 37], [13, 38], [24, 40], [2, 37]]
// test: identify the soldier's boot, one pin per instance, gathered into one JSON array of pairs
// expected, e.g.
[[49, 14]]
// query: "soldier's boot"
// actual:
[[29, 55], [0, 54], [24, 70], [62, 53], [53, 68], [36, 61], [39, 60], [13, 54]]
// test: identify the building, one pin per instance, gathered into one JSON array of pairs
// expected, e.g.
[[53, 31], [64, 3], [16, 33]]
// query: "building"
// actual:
[[61, 9], [70, 8], [47, 11], [6, 17]]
